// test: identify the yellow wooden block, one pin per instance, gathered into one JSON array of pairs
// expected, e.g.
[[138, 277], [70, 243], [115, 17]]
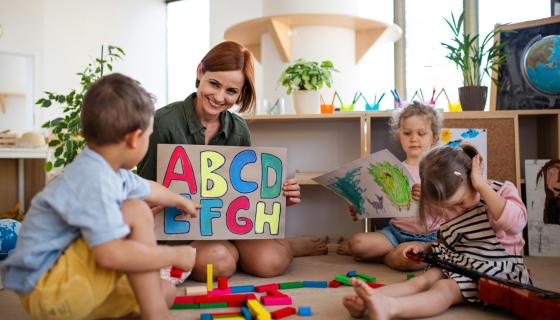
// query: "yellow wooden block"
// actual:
[[258, 310], [232, 318], [209, 277]]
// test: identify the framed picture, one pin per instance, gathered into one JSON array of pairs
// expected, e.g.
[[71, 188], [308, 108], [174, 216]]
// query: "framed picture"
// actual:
[[529, 77]]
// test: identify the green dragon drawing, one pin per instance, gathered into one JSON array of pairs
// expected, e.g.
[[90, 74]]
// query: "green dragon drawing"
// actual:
[[393, 181]]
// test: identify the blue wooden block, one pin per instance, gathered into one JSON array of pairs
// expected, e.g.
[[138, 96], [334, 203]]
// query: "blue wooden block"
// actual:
[[242, 289], [305, 311], [205, 316], [246, 314], [351, 274], [315, 284]]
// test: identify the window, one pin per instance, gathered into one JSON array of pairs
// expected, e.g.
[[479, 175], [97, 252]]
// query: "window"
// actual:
[[188, 40], [426, 65]]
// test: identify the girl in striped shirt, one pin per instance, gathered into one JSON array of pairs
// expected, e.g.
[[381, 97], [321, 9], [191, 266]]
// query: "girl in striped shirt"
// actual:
[[484, 233]]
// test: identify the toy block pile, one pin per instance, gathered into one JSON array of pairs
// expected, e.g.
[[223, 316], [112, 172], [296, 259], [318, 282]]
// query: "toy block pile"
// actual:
[[243, 297]]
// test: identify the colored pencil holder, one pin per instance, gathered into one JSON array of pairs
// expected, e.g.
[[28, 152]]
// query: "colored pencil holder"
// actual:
[[372, 107], [454, 106], [327, 108], [346, 107]]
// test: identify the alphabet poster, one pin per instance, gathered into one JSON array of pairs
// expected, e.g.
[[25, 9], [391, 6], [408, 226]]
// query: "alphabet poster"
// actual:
[[542, 182], [377, 185], [239, 189]]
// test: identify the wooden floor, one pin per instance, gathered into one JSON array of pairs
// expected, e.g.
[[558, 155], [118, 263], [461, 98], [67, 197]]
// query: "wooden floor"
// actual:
[[326, 303]]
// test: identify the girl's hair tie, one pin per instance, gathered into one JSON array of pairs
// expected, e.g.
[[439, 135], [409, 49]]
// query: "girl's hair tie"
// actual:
[[457, 173]]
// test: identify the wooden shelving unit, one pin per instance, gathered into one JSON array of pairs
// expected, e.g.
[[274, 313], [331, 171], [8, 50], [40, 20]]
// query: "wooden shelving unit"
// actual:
[[321, 143], [367, 32]]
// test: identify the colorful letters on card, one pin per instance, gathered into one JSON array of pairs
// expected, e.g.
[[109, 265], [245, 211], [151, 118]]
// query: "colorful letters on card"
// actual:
[[239, 189]]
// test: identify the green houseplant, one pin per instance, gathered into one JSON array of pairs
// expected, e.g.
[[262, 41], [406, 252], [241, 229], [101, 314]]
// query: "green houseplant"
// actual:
[[66, 139], [304, 79], [474, 60]]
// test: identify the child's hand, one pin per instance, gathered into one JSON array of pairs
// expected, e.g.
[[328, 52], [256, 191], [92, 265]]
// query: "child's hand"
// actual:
[[416, 192], [353, 213], [188, 207], [476, 172], [417, 248], [291, 191], [185, 257]]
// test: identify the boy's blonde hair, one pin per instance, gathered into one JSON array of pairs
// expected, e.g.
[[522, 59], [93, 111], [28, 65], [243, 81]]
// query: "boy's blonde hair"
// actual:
[[443, 170], [416, 108]]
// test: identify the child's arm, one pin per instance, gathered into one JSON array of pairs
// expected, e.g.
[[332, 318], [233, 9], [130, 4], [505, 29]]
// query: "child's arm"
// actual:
[[132, 256], [505, 210], [160, 195]]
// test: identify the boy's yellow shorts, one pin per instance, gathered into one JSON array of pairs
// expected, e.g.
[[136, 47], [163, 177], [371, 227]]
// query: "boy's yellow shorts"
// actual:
[[76, 287]]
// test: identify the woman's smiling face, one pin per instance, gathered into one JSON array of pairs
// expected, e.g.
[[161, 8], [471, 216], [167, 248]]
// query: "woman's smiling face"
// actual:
[[218, 91]]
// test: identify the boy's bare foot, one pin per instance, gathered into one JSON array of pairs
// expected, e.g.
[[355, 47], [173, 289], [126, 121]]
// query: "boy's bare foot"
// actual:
[[379, 307], [355, 306], [307, 246], [344, 248]]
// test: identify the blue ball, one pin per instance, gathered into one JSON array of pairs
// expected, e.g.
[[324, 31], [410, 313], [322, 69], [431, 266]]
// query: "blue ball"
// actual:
[[9, 231]]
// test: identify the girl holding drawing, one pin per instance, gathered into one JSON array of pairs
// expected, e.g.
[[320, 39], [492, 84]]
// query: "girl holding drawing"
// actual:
[[224, 78], [417, 128], [484, 234]]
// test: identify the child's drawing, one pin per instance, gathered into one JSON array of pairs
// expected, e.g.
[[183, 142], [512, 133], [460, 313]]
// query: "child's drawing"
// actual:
[[347, 186], [542, 182], [393, 181], [377, 205], [477, 138], [378, 186]]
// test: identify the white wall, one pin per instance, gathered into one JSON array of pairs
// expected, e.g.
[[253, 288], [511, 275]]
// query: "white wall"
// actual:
[[64, 35]]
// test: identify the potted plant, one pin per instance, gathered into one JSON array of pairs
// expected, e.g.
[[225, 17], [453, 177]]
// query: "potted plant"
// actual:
[[304, 79], [474, 60], [66, 138]]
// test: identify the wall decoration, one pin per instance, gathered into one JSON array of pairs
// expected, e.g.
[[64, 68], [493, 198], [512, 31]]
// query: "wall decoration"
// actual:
[[477, 138], [529, 77], [542, 182]]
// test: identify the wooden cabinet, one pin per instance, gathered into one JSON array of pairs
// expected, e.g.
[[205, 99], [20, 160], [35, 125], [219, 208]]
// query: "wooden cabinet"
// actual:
[[321, 143]]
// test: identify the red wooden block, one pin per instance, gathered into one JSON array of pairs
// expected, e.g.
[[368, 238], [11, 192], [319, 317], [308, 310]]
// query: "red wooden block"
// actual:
[[251, 296], [282, 313], [221, 298], [222, 283], [275, 300], [265, 287], [176, 272], [274, 293], [236, 304], [334, 284], [184, 299], [374, 285], [225, 314], [219, 292]]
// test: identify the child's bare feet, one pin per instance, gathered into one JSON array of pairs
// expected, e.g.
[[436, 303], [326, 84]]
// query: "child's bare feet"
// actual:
[[355, 306], [344, 248], [379, 307], [308, 246]]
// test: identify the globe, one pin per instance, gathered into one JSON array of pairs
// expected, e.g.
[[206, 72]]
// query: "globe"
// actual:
[[9, 230], [541, 65]]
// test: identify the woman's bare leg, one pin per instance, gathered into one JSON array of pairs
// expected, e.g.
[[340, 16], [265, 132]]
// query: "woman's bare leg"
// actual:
[[370, 246], [222, 254], [264, 258]]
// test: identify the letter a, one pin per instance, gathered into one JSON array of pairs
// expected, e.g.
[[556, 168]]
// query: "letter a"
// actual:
[[188, 173]]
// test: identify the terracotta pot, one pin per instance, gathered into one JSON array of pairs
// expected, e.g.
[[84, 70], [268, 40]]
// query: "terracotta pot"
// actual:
[[473, 98]]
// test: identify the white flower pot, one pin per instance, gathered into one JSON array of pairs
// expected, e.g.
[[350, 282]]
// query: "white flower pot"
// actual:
[[306, 102]]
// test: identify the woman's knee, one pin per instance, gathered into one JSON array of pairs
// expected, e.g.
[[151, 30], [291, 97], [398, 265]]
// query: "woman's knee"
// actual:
[[265, 259], [219, 254]]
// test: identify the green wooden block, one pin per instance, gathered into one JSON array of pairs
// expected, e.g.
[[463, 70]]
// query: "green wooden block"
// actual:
[[410, 276], [213, 305], [184, 306], [291, 285], [366, 278], [342, 279]]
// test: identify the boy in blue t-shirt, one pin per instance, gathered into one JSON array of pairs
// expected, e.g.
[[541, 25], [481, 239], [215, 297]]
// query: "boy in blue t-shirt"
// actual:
[[87, 247]]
